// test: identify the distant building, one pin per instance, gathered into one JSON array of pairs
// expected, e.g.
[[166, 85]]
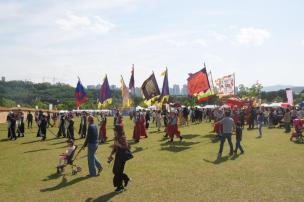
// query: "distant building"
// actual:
[[171, 91], [176, 89], [138, 92], [91, 87], [184, 90], [113, 87], [98, 86], [3, 79]]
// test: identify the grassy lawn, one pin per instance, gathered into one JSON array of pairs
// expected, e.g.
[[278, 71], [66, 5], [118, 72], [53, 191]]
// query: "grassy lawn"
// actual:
[[270, 170]]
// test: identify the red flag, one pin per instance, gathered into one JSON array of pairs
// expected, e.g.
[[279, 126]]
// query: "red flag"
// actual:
[[198, 82]]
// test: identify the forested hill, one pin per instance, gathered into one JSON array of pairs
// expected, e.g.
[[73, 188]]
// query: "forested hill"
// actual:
[[32, 94]]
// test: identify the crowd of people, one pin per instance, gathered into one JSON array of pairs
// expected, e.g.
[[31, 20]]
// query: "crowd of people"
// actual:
[[225, 121]]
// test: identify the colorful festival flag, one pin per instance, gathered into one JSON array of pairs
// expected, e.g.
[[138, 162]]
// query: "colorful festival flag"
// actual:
[[132, 82], [105, 96], [198, 82], [80, 94], [204, 96], [150, 90], [225, 85], [165, 91], [289, 95], [126, 101]]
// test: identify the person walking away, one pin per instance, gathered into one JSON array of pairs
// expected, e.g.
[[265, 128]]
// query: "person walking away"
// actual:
[[21, 125], [9, 122], [287, 121], [29, 119], [228, 126], [122, 153], [103, 129], [158, 120], [91, 142], [43, 126], [260, 122], [71, 127], [39, 120], [147, 119], [238, 138], [13, 127], [83, 125]]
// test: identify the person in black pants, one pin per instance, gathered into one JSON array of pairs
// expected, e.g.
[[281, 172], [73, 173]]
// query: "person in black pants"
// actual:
[[71, 128], [29, 119], [13, 127], [8, 121], [83, 125], [43, 126], [119, 147], [39, 120]]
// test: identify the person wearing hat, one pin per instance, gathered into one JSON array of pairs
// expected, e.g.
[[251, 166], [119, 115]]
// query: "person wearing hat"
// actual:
[[91, 142]]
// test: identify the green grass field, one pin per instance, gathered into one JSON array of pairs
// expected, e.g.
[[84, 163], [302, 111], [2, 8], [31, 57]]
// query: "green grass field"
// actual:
[[270, 170]]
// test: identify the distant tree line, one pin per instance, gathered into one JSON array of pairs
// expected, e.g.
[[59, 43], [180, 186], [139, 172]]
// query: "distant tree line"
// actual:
[[29, 94]]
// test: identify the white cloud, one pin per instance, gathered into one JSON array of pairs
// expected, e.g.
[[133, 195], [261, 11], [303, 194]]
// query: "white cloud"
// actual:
[[201, 42], [253, 36], [73, 22], [217, 36], [177, 43], [302, 42]]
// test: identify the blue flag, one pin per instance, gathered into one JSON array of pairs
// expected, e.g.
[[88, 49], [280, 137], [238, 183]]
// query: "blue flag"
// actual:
[[80, 94]]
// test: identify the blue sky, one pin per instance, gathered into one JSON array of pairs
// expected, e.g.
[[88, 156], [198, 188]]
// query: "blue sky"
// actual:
[[257, 40]]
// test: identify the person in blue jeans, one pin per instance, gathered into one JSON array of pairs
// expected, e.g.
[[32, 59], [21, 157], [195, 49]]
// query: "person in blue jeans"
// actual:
[[92, 143], [228, 126]]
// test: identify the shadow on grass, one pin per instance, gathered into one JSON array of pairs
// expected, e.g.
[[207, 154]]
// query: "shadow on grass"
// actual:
[[218, 161], [64, 183], [56, 143], [190, 136], [4, 140], [39, 140], [52, 177], [177, 146], [137, 149], [103, 198], [36, 150], [213, 137]]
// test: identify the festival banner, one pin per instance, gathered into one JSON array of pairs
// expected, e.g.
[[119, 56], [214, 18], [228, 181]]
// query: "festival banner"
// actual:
[[289, 95], [150, 90], [105, 96], [204, 96], [132, 81], [225, 85], [80, 94], [198, 82], [126, 102], [165, 90]]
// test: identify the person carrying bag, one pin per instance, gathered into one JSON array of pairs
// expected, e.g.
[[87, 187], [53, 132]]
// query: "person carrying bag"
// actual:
[[122, 153]]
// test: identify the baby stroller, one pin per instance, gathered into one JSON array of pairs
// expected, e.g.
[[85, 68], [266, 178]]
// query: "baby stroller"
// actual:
[[70, 162], [297, 134]]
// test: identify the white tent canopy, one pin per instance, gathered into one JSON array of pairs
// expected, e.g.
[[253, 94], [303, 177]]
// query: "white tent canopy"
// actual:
[[210, 106]]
